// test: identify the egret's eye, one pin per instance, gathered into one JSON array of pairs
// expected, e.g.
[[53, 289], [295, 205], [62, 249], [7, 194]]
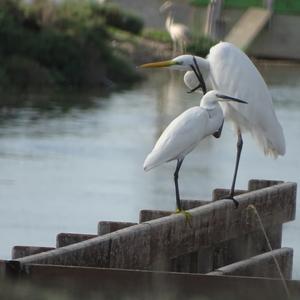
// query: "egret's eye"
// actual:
[[179, 62]]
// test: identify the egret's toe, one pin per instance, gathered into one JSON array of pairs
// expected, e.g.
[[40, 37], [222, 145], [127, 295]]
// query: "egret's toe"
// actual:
[[187, 215]]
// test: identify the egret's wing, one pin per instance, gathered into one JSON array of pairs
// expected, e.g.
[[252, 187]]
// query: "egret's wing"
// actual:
[[234, 74], [179, 138]]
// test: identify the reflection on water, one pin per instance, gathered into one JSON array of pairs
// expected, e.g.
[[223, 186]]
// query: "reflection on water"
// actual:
[[64, 167]]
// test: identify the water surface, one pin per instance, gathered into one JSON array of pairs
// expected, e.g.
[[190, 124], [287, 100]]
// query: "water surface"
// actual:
[[65, 167]]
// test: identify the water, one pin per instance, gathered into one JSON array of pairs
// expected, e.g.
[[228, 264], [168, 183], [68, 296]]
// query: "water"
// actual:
[[64, 168]]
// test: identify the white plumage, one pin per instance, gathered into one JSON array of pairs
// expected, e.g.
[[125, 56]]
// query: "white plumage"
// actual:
[[179, 33], [230, 71], [233, 73], [185, 132]]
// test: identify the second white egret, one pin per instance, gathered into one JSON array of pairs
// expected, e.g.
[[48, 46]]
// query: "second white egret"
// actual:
[[185, 132]]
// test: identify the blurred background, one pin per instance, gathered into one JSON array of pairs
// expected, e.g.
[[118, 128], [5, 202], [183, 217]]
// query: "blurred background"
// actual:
[[77, 118]]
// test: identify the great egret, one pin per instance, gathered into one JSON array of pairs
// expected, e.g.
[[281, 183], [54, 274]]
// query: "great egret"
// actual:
[[185, 132], [230, 71], [179, 33]]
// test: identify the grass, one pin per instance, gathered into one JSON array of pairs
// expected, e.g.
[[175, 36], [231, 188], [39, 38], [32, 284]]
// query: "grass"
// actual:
[[200, 46], [280, 6], [157, 35]]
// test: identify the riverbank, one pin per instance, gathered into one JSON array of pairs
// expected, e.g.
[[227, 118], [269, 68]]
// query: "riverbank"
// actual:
[[83, 45], [69, 44]]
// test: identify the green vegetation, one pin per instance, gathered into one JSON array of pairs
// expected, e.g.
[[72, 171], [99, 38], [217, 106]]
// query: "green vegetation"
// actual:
[[157, 35], [200, 46], [67, 44], [280, 6]]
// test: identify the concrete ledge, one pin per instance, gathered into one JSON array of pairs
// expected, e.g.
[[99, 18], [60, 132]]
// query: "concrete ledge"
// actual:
[[65, 239], [248, 27], [262, 265], [141, 246], [189, 204], [22, 251], [151, 214], [105, 227], [219, 194], [257, 184], [133, 284]]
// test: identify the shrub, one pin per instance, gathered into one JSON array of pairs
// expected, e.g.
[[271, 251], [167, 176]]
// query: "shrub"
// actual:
[[157, 35], [71, 47], [17, 68], [200, 46], [115, 17]]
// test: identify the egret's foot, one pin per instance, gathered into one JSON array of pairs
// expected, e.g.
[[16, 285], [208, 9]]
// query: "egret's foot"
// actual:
[[187, 215], [235, 202]]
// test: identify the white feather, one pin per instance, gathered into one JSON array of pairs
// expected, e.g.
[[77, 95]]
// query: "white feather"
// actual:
[[185, 132], [233, 73]]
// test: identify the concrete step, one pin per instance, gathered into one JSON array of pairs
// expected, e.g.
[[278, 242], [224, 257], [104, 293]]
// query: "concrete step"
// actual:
[[248, 27], [261, 265]]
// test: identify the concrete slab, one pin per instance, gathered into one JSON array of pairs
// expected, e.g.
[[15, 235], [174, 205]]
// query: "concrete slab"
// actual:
[[248, 27]]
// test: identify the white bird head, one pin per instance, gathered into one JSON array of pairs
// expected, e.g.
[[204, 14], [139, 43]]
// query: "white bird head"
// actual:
[[186, 62], [166, 6], [210, 99], [182, 63]]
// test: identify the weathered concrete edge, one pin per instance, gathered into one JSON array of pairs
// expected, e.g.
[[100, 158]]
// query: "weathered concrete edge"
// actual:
[[154, 283], [244, 266], [19, 251], [98, 250]]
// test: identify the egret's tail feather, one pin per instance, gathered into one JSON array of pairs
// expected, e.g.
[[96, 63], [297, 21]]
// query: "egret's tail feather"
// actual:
[[271, 148], [151, 162]]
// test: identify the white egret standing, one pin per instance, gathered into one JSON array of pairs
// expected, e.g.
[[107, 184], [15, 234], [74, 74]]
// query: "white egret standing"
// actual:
[[179, 33], [185, 132], [230, 71]]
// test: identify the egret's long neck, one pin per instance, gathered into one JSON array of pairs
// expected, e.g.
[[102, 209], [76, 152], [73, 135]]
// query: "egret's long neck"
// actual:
[[208, 104], [169, 21], [204, 67]]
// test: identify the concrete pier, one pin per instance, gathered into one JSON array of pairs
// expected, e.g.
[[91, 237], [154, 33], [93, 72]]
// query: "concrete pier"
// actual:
[[219, 241]]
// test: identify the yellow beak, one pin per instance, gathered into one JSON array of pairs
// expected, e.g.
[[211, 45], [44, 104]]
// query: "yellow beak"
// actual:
[[160, 64]]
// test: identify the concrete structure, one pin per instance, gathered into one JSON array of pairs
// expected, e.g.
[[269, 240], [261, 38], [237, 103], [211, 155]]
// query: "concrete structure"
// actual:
[[279, 39], [248, 27], [135, 259]]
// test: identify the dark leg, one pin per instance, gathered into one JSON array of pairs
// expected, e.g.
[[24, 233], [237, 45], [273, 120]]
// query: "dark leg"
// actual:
[[239, 147], [178, 203]]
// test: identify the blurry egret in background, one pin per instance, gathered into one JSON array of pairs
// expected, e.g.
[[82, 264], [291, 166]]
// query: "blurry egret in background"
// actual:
[[185, 132], [179, 33], [230, 71]]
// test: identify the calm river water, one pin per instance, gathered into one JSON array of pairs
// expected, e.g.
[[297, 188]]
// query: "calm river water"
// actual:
[[64, 168]]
